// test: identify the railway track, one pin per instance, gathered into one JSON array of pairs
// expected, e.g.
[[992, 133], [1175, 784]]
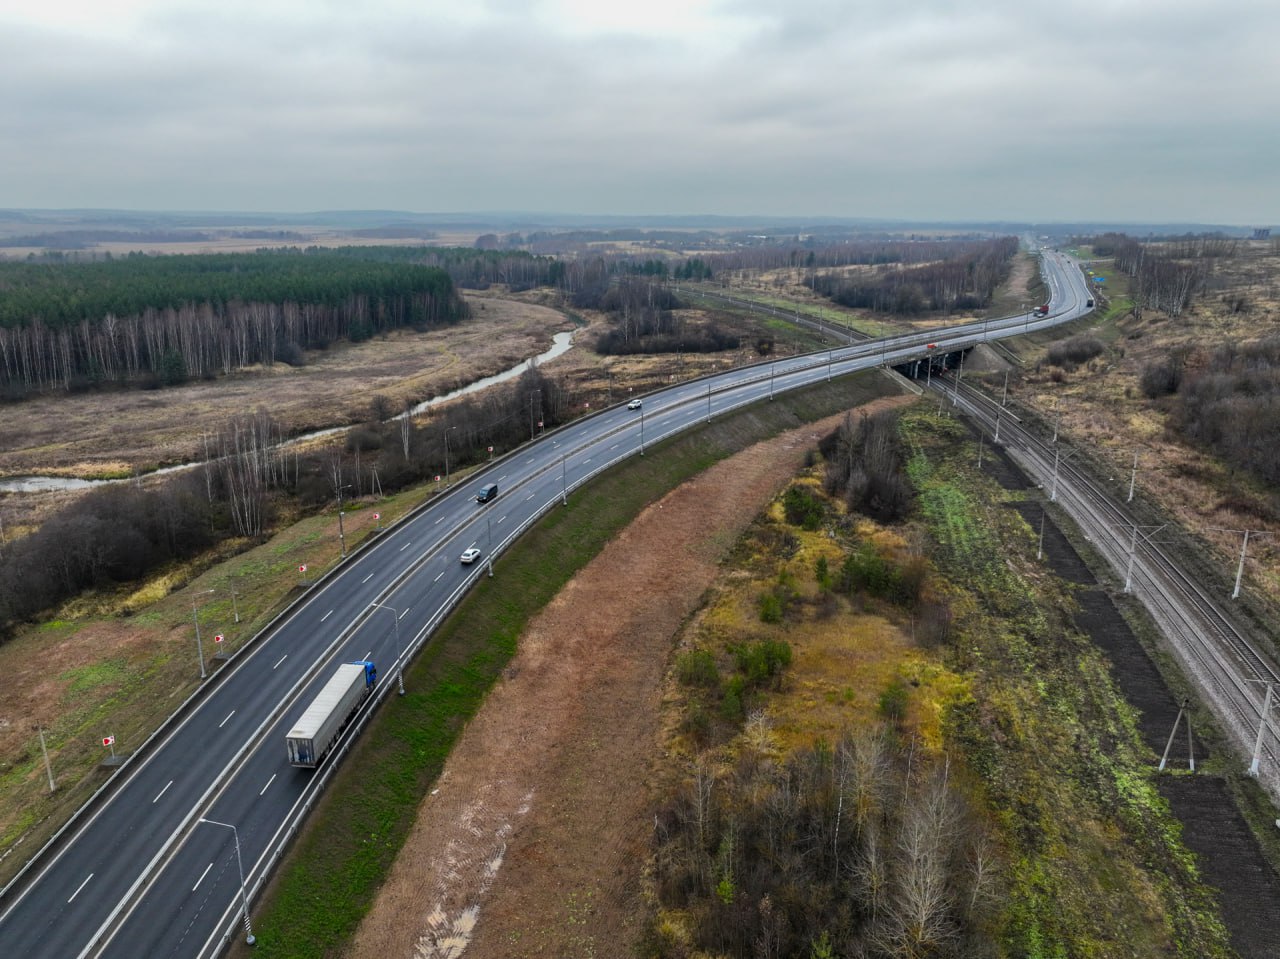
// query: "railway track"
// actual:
[[1230, 671]]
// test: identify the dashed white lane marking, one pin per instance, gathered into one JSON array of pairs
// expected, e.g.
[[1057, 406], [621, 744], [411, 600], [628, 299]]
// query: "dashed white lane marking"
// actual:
[[224, 722], [280, 660], [326, 616], [81, 886], [162, 792], [269, 782], [202, 875]]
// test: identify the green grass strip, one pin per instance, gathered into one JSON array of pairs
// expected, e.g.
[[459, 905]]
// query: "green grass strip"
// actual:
[[331, 876]]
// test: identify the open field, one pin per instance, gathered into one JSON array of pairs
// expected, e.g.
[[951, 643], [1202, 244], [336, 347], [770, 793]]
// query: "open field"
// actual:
[[116, 432], [1101, 409]]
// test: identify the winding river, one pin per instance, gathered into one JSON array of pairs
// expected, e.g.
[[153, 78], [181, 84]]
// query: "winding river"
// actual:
[[560, 344]]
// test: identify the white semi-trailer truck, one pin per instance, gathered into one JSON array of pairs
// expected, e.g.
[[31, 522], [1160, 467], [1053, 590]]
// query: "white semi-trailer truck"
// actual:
[[317, 729]]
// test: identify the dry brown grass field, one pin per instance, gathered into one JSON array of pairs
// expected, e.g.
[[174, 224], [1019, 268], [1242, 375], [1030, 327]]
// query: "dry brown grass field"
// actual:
[[1104, 411], [117, 663], [94, 659]]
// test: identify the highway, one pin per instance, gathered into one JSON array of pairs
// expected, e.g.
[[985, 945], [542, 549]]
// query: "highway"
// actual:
[[143, 875]]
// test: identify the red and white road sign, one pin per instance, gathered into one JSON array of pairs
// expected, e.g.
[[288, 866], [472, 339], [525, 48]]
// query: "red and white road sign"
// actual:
[[490, 449], [437, 477], [108, 740], [217, 638], [377, 516], [302, 568]]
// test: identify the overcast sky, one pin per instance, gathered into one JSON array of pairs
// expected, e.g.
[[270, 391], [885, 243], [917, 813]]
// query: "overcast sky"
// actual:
[[1155, 111]]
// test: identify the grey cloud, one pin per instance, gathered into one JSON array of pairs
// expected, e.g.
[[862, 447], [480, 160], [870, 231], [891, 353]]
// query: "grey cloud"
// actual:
[[1041, 110]]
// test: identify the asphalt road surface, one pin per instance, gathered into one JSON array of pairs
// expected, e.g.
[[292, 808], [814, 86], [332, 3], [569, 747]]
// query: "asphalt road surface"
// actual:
[[145, 875]]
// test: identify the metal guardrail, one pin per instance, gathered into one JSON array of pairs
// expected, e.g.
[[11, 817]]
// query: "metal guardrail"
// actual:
[[305, 803]]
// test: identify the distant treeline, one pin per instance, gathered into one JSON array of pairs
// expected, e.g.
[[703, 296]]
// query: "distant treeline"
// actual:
[[1166, 275], [964, 279], [1227, 400], [162, 319], [814, 254]]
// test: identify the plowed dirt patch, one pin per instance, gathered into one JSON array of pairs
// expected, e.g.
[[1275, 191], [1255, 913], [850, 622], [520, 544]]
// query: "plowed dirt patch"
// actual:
[[533, 842]]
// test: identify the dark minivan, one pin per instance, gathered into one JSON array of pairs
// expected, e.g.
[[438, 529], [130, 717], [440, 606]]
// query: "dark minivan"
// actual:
[[487, 492]]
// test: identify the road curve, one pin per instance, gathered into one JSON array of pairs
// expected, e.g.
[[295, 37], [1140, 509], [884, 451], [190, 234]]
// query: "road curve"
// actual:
[[146, 875]]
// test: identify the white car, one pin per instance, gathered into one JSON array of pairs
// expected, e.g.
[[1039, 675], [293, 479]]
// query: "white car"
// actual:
[[634, 405], [470, 554]]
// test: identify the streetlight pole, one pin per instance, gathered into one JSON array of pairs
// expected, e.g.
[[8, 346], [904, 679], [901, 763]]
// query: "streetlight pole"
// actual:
[[772, 364], [195, 616], [642, 431], [342, 533], [396, 613], [488, 533], [447, 431], [244, 893], [532, 434], [564, 483], [45, 750]]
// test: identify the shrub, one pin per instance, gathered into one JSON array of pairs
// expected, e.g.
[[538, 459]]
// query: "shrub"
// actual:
[[822, 573], [1072, 352], [770, 608], [1159, 379], [290, 353], [761, 662], [697, 667], [731, 703], [893, 702], [363, 439], [802, 508]]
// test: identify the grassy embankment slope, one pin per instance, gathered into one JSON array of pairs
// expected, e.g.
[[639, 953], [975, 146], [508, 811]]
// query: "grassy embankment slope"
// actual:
[[1015, 701], [328, 880]]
